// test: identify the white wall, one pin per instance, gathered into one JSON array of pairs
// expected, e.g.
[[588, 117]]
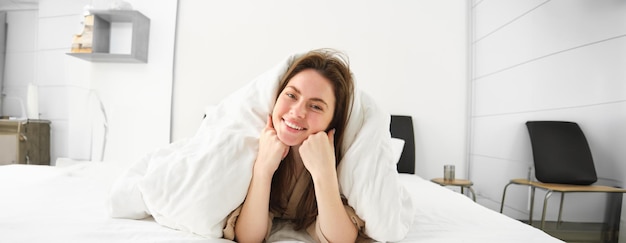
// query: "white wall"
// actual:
[[409, 55], [19, 70], [547, 60], [137, 97]]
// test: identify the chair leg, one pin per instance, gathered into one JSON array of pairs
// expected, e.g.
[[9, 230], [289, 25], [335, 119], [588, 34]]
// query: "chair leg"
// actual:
[[558, 222], [474, 196], [532, 205], [503, 196], [545, 206]]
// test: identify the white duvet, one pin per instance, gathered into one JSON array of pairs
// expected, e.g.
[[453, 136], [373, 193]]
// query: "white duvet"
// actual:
[[192, 185]]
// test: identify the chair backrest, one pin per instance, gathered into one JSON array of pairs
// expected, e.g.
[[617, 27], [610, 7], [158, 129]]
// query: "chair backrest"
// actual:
[[561, 153], [402, 127]]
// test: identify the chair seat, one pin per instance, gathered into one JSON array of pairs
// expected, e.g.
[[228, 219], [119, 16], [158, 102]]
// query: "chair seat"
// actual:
[[568, 188]]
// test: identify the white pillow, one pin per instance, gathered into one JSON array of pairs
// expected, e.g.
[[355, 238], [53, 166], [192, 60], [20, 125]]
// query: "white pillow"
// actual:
[[397, 146], [368, 174]]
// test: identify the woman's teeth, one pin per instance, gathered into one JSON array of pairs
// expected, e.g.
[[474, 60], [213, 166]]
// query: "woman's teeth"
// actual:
[[294, 126]]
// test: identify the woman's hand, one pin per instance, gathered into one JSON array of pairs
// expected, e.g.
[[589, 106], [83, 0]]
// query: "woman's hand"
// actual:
[[251, 225], [271, 150], [318, 154]]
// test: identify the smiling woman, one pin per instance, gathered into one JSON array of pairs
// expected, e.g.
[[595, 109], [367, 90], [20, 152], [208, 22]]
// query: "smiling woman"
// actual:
[[295, 172]]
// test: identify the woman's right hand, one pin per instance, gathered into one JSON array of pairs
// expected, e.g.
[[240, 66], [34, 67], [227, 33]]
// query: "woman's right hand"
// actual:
[[271, 150], [250, 226]]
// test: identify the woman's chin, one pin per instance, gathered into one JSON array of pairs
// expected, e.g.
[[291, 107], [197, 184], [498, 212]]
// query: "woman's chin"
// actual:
[[289, 141]]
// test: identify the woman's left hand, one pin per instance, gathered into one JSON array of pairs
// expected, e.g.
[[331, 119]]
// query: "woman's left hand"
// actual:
[[318, 154]]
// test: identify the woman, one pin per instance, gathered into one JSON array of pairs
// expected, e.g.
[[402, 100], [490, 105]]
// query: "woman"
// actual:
[[295, 174]]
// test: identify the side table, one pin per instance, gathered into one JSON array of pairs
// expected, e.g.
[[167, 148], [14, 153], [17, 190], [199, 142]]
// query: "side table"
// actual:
[[462, 183]]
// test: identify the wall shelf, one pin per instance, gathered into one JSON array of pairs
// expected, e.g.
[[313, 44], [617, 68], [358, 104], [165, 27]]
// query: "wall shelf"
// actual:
[[99, 51]]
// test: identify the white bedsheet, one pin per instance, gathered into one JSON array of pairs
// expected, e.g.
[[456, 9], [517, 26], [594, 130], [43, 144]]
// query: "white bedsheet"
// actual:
[[446, 216], [51, 204]]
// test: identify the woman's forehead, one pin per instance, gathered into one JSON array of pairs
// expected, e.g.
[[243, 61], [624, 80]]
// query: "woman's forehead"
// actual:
[[313, 85]]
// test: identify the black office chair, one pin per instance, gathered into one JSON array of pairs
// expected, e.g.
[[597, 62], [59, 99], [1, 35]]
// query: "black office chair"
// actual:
[[563, 163]]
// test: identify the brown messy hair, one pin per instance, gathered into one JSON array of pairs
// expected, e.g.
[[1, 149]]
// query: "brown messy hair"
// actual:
[[334, 66]]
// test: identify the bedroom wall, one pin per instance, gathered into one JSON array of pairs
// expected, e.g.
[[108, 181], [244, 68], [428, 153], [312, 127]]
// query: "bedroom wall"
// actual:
[[546, 60], [21, 48], [136, 97], [410, 56]]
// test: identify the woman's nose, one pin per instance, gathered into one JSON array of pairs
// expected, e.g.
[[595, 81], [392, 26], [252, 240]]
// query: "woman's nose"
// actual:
[[299, 109]]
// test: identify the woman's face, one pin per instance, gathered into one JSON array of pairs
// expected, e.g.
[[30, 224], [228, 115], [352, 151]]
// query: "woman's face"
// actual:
[[306, 106]]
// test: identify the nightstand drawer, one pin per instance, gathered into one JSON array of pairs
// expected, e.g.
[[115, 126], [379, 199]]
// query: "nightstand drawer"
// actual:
[[9, 145]]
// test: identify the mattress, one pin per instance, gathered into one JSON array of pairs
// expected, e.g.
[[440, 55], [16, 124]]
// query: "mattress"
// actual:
[[56, 204]]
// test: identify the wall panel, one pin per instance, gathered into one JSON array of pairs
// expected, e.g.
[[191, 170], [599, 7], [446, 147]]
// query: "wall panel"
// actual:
[[22, 31], [57, 32], [570, 79], [555, 26], [492, 15]]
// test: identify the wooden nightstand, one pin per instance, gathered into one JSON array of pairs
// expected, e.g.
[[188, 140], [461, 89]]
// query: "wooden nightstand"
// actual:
[[24, 142], [457, 182]]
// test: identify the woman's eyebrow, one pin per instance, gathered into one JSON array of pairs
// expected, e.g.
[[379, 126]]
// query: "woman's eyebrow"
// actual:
[[294, 88]]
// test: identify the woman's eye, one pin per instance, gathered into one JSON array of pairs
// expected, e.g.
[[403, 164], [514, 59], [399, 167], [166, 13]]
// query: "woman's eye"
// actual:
[[291, 95], [316, 107]]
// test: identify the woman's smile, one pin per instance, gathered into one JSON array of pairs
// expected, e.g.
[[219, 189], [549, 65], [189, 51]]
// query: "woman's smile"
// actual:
[[293, 126]]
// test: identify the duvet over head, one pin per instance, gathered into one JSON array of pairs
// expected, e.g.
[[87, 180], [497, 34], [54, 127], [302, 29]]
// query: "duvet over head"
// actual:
[[193, 184]]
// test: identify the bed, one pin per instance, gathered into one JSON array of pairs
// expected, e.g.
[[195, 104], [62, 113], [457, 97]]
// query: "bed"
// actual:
[[68, 204]]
